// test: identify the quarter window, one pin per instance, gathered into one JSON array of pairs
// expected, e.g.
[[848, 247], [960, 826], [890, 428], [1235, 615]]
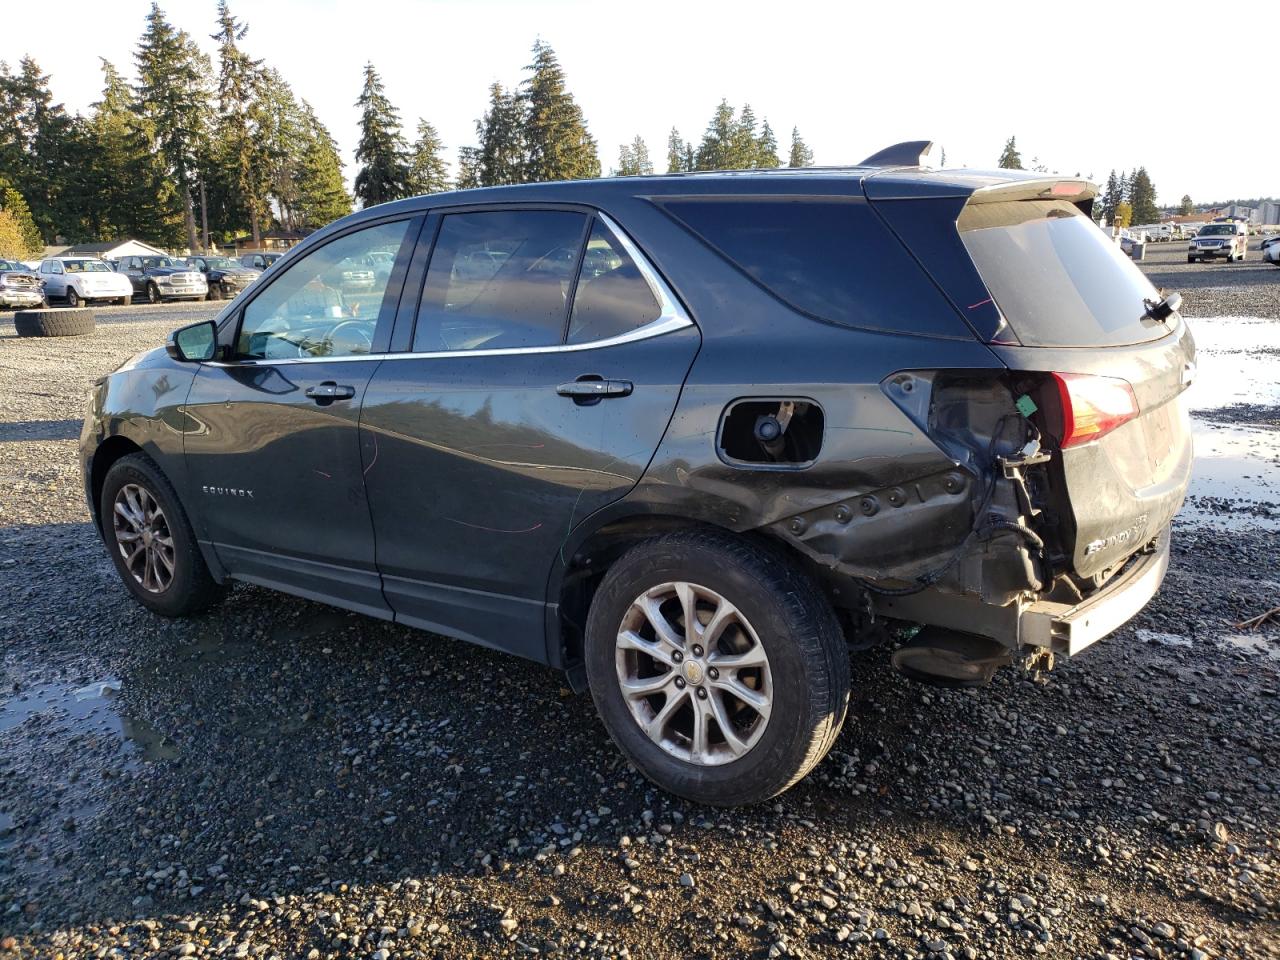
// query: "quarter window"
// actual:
[[499, 279], [612, 296], [319, 307]]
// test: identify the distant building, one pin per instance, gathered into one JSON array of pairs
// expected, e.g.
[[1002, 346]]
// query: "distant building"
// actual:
[[1268, 212], [271, 240], [113, 250], [1238, 211]]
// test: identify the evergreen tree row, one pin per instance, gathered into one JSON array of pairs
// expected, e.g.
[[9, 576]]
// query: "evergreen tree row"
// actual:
[[1131, 198], [189, 154], [732, 142]]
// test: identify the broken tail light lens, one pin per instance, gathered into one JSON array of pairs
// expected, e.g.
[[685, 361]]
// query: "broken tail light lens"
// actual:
[[1093, 406]]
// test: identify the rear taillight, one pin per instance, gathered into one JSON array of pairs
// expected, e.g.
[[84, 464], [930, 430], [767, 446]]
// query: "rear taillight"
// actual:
[[1093, 406]]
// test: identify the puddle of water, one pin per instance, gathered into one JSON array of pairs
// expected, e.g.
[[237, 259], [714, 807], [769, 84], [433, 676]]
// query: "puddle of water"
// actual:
[[1254, 644], [1238, 361], [1164, 639], [87, 710]]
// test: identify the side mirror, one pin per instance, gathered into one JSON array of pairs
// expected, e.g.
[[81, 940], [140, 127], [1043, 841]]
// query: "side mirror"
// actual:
[[194, 344]]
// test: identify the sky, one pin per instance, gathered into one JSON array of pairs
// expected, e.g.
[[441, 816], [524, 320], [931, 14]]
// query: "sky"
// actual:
[[854, 77]]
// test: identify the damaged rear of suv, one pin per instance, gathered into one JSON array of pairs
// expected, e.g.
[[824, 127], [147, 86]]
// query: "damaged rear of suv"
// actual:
[[687, 438]]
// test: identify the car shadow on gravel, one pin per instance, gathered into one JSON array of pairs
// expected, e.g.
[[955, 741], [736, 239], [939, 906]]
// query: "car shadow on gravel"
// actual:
[[20, 430]]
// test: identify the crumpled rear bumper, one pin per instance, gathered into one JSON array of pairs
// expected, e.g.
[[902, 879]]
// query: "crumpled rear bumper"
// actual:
[[1064, 629]]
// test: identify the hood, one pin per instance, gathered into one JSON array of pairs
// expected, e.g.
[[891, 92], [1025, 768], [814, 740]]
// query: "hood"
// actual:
[[167, 271], [234, 272]]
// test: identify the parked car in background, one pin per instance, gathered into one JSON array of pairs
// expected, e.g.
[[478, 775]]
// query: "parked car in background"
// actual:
[[357, 274], [1228, 240], [225, 277], [162, 278], [80, 280], [259, 260], [1271, 252], [19, 286], [667, 435]]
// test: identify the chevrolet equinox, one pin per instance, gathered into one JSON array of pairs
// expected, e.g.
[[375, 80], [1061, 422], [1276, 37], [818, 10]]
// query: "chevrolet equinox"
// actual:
[[689, 439]]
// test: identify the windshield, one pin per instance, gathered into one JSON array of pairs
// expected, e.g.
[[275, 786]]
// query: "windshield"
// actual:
[[85, 266], [221, 263], [10, 265], [152, 263], [1218, 230], [1057, 279]]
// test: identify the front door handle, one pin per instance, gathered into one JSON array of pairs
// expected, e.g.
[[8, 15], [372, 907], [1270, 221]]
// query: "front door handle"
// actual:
[[329, 391], [594, 389]]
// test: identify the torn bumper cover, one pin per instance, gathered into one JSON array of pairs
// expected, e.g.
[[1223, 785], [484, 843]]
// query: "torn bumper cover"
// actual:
[[1063, 629]]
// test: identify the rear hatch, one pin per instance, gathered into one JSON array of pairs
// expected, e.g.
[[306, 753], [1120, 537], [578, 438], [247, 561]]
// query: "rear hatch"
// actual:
[[1067, 313]]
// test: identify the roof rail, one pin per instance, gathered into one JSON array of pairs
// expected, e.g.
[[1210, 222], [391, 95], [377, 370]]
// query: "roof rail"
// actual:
[[909, 153]]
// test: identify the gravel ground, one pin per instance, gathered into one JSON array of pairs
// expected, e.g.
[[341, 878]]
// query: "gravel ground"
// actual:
[[279, 779]]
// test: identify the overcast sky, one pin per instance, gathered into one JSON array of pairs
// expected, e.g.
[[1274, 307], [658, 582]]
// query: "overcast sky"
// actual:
[[854, 77]]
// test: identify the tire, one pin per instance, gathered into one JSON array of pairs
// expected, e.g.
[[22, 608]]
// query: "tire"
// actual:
[[73, 298], [153, 293], [1191, 259], [190, 587], [126, 301], [215, 292], [805, 673], [53, 323]]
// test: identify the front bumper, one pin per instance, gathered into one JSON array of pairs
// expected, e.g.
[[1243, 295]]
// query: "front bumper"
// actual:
[[1060, 628], [20, 298]]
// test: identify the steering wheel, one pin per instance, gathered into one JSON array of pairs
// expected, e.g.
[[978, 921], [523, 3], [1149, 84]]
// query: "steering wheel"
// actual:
[[359, 339]]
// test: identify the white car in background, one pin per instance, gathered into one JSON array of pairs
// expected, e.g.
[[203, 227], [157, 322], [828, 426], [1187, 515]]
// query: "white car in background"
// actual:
[[1271, 250], [1224, 238], [79, 280]]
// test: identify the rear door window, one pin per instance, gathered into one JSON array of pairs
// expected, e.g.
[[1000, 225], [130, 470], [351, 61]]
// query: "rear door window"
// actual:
[[832, 259], [1058, 280], [499, 280], [613, 298]]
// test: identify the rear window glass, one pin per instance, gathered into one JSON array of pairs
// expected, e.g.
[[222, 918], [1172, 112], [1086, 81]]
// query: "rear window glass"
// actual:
[[1058, 280], [832, 259]]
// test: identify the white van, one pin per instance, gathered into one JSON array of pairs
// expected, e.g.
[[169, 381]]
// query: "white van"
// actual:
[[1226, 238]]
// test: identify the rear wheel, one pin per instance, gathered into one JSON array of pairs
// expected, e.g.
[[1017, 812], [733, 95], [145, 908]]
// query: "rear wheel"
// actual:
[[717, 666], [215, 292], [151, 541]]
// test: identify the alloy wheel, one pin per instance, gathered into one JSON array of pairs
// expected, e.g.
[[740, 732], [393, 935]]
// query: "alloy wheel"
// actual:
[[693, 673], [143, 538]]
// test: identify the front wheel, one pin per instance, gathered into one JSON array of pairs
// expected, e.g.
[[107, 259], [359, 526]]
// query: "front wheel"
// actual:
[[126, 301], [73, 298], [151, 541], [717, 666], [153, 293]]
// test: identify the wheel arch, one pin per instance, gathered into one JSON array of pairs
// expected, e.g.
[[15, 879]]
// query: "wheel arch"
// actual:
[[588, 553], [112, 449]]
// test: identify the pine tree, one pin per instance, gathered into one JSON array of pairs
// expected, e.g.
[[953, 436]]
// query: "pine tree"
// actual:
[[1187, 207], [240, 151], [1142, 197], [284, 144], [321, 195], [121, 184], [716, 150], [744, 147], [1010, 159], [500, 158], [633, 159], [767, 148], [557, 144], [381, 150], [801, 155], [677, 153], [37, 145], [1111, 197], [428, 171], [15, 207], [468, 168], [174, 100]]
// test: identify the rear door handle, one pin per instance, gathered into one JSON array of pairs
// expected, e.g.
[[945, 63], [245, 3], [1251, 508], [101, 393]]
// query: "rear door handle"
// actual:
[[329, 391], [587, 389]]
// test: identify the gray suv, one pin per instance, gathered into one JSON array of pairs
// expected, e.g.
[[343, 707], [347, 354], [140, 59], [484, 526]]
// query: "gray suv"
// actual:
[[689, 439]]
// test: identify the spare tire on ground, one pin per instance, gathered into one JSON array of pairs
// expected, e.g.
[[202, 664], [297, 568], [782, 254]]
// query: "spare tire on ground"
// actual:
[[53, 323]]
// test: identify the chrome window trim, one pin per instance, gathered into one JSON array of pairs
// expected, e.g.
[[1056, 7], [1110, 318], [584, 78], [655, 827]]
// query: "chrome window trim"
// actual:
[[672, 317]]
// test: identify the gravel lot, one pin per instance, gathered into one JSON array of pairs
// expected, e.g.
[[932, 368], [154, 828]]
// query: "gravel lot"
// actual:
[[280, 779]]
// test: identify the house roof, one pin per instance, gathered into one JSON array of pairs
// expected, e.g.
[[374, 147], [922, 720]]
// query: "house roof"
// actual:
[[105, 247]]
